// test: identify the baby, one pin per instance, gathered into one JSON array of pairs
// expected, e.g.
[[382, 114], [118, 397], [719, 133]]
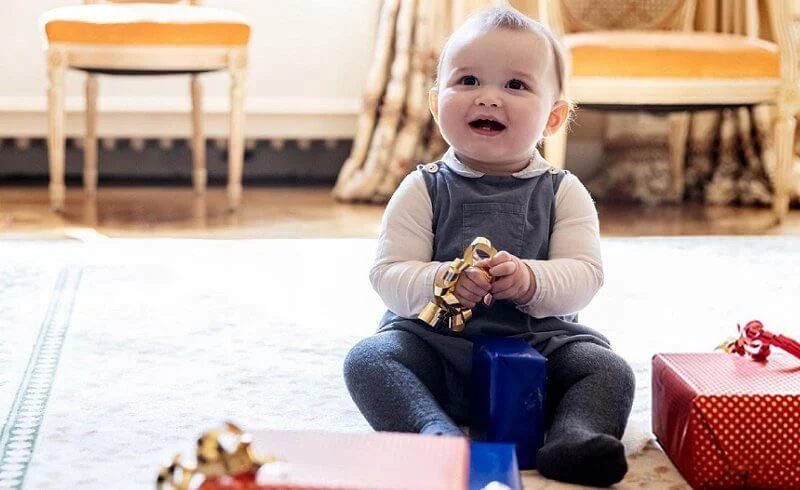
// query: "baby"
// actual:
[[499, 92]]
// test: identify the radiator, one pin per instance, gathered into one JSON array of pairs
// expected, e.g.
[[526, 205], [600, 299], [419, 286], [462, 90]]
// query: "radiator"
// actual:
[[141, 160]]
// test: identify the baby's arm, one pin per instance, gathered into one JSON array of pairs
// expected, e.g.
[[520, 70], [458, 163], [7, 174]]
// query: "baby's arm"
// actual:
[[571, 277], [403, 273]]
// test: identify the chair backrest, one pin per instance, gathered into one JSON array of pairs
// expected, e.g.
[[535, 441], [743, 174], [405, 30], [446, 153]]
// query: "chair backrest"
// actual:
[[773, 20], [565, 16]]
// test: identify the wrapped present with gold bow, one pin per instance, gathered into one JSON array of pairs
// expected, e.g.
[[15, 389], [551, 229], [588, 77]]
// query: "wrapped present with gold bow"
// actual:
[[308, 460], [727, 421]]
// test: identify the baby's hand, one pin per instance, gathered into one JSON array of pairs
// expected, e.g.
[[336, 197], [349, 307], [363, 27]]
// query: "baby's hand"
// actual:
[[513, 279], [472, 287]]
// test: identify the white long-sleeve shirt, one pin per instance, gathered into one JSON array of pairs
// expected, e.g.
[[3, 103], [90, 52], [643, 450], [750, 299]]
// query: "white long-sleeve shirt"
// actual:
[[403, 273]]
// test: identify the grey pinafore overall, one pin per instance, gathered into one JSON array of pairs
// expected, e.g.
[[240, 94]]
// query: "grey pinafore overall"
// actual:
[[516, 215]]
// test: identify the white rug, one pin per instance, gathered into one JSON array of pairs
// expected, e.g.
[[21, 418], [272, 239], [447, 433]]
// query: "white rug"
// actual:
[[115, 354]]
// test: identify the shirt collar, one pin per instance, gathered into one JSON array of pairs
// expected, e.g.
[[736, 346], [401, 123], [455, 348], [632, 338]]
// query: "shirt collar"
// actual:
[[537, 166]]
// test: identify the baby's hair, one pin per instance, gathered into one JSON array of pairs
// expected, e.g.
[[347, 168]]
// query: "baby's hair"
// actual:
[[509, 18]]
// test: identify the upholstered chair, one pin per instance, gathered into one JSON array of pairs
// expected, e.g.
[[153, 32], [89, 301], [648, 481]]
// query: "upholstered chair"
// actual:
[[643, 54], [159, 37]]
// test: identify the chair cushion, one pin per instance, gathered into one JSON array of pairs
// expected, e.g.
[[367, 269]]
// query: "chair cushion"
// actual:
[[145, 24], [643, 54]]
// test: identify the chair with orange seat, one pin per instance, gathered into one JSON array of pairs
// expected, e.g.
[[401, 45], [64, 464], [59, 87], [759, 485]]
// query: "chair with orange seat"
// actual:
[[159, 37], [642, 54]]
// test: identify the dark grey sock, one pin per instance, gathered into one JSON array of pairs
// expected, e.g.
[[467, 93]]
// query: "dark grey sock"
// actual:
[[591, 391], [583, 458], [397, 381]]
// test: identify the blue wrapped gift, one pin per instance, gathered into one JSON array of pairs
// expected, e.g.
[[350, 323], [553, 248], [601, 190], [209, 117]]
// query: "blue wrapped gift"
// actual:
[[493, 462], [509, 382]]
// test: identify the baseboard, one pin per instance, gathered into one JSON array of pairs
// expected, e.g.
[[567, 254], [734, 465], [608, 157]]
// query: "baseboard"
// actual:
[[160, 117]]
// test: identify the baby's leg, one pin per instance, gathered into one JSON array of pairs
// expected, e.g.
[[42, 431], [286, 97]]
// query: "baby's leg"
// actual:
[[397, 381], [592, 389]]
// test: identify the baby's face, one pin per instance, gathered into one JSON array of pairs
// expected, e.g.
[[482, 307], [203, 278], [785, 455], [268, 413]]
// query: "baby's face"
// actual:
[[495, 94]]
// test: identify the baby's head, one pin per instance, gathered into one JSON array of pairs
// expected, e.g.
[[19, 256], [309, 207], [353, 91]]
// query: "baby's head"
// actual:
[[499, 89]]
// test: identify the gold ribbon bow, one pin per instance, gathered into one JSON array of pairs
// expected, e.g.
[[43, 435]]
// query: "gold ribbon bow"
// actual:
[[445, 305], [214, 460]]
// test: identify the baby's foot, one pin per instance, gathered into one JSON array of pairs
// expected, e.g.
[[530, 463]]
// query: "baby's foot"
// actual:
[[583, 458]]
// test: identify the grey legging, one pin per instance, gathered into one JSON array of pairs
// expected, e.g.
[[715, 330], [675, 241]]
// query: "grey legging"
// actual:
[[399, 383]]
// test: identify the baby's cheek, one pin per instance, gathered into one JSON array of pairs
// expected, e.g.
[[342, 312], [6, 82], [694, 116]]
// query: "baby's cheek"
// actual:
[[447, 113]]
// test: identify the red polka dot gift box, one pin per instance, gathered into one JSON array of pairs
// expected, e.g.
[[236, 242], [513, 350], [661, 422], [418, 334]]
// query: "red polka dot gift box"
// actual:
[[728, 421]]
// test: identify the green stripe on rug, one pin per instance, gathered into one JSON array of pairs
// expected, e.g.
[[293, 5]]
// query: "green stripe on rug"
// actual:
[[21, 428]]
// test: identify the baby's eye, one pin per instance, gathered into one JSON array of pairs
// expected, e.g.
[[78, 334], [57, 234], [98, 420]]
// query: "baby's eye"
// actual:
[[468, 80], [516, 85]]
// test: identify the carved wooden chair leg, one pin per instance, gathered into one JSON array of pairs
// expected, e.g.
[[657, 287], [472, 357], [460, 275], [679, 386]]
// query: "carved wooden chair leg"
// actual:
[[90, 139], [238, 70], [784, 142], [56, 66], [199, 172]]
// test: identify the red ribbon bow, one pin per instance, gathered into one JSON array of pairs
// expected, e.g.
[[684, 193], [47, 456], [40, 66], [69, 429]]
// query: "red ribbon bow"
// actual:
[[757, 342]]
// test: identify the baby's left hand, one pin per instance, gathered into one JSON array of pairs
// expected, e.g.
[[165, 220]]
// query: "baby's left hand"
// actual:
[[513, 279]]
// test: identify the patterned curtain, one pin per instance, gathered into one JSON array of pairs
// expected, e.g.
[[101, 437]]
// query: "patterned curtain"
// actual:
[[729, 155]]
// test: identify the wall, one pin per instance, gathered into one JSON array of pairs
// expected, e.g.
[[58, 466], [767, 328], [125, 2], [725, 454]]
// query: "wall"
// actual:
[[284, 97]]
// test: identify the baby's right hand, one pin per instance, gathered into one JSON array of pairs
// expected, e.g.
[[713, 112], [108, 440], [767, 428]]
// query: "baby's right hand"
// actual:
[[472, 287]]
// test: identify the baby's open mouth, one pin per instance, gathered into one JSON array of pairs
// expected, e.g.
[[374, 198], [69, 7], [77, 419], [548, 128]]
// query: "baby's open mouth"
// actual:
[[487, 125]]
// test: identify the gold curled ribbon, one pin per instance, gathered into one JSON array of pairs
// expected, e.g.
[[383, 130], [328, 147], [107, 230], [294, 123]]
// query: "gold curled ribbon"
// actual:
[[445, 306], [214, 460]]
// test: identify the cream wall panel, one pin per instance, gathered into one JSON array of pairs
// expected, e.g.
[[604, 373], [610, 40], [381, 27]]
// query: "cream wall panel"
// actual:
[[308, 63]]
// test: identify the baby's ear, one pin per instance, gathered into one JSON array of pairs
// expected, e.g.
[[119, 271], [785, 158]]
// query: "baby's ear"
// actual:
[[433, 103], [559, 114]]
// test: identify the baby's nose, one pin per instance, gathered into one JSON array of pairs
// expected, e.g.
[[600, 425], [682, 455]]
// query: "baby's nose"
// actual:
[[488, 100]]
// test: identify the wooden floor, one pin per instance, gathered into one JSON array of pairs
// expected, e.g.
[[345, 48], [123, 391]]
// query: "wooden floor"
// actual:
[[300, 212]]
